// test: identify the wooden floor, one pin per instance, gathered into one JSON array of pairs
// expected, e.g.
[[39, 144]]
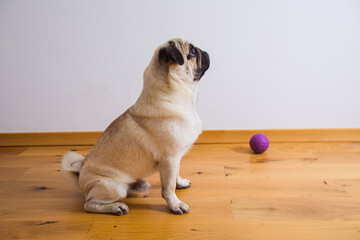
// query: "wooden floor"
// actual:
[[293, 191]]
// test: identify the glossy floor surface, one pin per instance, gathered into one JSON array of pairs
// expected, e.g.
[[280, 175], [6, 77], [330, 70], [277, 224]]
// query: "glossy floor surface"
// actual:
[[293, 191]]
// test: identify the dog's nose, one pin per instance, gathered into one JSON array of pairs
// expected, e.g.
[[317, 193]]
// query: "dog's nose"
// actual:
[[205, 61]]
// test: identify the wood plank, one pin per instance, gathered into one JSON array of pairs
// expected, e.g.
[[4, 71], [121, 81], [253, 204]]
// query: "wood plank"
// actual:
[[11, 173], [32, 161], [44, 229], [11, 151], [208, 136], [352, 186], [55, 150], [266, 188], [215, 229], [296, 209]]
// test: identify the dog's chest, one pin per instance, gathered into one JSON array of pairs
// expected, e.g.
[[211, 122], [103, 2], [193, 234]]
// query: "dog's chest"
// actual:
[[187, 131], [179, 135]]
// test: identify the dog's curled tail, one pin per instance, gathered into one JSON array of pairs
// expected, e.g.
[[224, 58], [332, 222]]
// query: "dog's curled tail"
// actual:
[[71, 164]]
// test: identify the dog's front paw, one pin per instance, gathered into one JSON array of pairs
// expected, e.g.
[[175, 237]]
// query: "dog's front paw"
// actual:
[[180, 208], [182, 183]]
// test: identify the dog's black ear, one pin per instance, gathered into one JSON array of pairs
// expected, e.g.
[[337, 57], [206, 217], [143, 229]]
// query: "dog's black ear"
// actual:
[[171, 55]]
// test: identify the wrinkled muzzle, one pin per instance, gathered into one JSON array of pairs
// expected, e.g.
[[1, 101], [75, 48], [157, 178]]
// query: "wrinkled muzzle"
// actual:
[[203, 64]]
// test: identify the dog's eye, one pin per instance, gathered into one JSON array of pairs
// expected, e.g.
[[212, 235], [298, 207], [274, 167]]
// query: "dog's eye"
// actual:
[[172, 44], [192, 52]]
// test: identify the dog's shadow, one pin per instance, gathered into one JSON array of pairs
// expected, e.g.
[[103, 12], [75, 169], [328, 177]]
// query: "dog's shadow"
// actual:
[[151, 207], [137, 203]]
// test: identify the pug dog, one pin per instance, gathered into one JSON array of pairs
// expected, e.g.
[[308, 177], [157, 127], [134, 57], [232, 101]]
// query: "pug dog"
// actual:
[[152, 135]]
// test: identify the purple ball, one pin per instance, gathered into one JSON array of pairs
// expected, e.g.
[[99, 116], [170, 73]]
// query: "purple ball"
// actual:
[[259, 143]]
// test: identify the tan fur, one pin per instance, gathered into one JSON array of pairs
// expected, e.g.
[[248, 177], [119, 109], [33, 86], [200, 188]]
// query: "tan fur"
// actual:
[[152, 135]]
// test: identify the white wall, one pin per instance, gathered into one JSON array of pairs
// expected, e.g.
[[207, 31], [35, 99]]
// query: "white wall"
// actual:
[[76, 65]]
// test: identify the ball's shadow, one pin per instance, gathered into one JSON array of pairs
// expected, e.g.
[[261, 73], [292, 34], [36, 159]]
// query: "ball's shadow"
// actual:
[[243, 150]]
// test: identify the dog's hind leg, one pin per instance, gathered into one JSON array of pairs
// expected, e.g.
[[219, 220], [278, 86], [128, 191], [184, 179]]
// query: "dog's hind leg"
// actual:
[[105, 196]]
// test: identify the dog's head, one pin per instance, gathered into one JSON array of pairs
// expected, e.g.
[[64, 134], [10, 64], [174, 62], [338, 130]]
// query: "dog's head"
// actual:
[[183, 60]]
